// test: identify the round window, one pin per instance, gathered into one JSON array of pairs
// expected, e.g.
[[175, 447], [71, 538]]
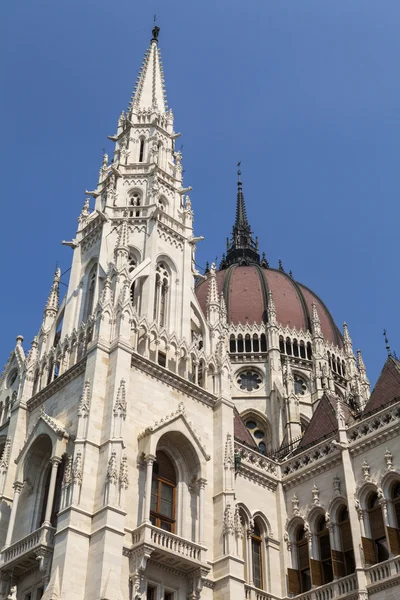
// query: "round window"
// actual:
[[259, 434], [256, 428], [249, 380], [300, 386], [251, 424]]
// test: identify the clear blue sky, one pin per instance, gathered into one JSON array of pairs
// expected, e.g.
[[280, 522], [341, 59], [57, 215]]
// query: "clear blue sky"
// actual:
[[305, 93]]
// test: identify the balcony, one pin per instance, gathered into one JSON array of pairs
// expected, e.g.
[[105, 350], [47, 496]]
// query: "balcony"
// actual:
[[253, 593], [384, 571], [169, 549], [29, 552], [343, 588]]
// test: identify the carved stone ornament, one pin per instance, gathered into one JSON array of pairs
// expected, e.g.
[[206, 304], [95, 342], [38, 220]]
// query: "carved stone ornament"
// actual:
[[295, 505], [238, 524], [359, 510], [67, 479], [112, 471], [77, 469], [228, 458], [389, 460], [123, 473], [336, 485], [366, 471], [228, 525], [84, 403], [315, 495], [120, 403]]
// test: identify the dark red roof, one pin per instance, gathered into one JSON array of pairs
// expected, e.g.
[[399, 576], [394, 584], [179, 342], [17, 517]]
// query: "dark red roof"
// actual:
[[246, 290], [241, 432], [387, 387], [324, 422]]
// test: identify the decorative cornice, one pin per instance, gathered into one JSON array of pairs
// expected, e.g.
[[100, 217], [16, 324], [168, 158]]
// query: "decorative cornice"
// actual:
[[173, 380], [56, 385]]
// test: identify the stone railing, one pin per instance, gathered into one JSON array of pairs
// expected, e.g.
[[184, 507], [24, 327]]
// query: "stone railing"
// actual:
[[304, 459], [384, 570], [167, 542], [43, 537], [370, 425], [343, 588], [253, 593]]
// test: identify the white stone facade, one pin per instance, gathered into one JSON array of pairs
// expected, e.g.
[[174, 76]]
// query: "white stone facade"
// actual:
[[128, 366]]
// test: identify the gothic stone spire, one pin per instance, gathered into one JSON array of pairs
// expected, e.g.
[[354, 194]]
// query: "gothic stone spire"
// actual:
[[149, 92], [242, 248]]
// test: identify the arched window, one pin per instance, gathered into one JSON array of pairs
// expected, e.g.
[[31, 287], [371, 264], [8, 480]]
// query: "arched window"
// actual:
[[247, 343], [324, 547], [302, 349], [343, 369], [141, 150], [90, 290], [395, 495], [256, 343], [240, 345], [288, 347], [161, 295], [281, 345], [344, 563], [35, 382], [134, 202], [163, 492], [263, 343], [131, 267], [57, 493], [309, 351], [378, 550], [295, 348], [303, 561], [256, 556], [232, 344]]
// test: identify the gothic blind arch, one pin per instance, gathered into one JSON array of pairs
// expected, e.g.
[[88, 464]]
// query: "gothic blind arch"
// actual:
[[135, 200], [90, 290], [162, 291]]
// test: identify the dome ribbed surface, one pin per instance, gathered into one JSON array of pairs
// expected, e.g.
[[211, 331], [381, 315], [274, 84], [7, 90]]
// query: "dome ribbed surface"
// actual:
[[246, 290]]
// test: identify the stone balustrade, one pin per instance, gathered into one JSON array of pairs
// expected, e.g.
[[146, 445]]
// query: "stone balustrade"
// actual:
[[383, 571], [25, 552], [168, 547], [345, 588]]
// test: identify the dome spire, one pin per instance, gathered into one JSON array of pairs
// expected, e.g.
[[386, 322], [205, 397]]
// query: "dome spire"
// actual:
[[242, 247]]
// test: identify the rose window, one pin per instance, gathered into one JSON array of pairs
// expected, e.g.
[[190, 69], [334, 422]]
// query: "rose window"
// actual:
[[249, 380], [300, 386]]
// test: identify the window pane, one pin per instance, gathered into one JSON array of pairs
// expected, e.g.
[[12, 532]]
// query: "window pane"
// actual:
[[166, 508], [167, 492], [166, 526], [153, 505], [256, 559]]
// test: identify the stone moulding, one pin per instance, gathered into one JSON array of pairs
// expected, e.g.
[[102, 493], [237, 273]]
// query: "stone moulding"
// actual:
[[56, 385], [173, 380]]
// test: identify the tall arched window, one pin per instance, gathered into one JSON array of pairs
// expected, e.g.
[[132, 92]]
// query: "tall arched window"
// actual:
[[324, 547], [394, 507], [344, 563], [141, 150], [256, 556], [377, 551], [163, 492], [161, 295], [299, 579], [90, 290], [232, 343]]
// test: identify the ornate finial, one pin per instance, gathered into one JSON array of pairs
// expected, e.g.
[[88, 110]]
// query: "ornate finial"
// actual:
[[239, 172], [387, 343], [155, 31], [264, 262], [291, 274], [280, 267]]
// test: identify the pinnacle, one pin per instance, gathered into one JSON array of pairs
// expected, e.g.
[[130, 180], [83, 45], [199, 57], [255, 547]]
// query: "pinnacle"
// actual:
[[52, 301], [149, 91]]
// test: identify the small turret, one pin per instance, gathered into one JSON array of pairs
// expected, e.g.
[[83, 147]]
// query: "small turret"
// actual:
[[51, 309]]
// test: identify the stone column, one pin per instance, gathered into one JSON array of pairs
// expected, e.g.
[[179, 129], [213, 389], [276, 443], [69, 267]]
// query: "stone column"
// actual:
[[202, 487], [150, 458], [55, 461], [18, 485]]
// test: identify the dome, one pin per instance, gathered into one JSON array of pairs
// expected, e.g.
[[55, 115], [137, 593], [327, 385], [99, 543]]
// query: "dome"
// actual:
[[246, 281], [246, 287]]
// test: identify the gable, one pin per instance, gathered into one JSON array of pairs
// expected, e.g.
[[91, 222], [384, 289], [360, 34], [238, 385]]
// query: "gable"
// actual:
[[387, 387]]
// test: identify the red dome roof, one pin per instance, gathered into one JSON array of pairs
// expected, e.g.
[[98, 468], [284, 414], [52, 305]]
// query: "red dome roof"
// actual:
[[246, 290]]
